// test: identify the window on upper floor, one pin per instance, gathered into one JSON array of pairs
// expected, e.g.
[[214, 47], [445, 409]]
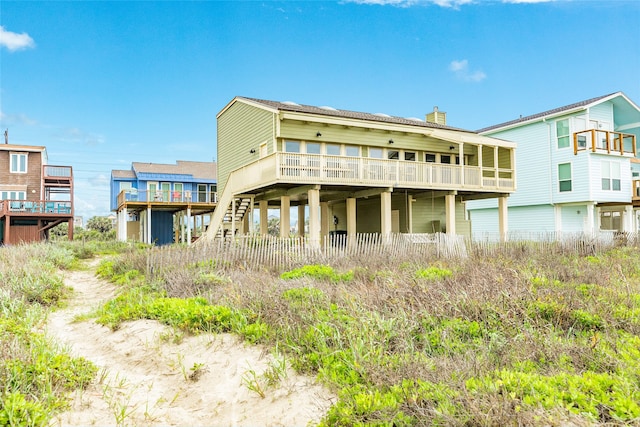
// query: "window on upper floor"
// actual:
[[375, 153], [429, 157], [292, 146], [13, 195], [18, 163], [393, 154], [313, 147], [352, 151], [562, 133], [445, 158], [564, 177], [333, 149], [610, 175], [213, 196], [410, 156]]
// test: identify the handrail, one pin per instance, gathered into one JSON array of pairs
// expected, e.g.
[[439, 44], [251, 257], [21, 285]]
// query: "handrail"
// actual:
[[223, 204], [362, 171], [166, 196], [57, 171], [596, 140], [37, 207]]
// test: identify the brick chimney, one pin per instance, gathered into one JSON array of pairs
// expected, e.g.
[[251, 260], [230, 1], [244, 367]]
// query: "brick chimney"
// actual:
[[437, 117]]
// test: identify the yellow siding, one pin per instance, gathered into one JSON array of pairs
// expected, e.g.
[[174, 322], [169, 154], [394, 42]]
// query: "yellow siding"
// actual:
[[306, 131], [463, 226], [368, 215], [504, 157], [241, 128], [427, 213]]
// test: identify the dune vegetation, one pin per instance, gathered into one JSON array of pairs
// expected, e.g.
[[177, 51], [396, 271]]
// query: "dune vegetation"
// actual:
[[523, 337]]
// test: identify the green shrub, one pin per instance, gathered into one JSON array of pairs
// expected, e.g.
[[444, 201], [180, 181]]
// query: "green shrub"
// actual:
[[320, 272], [433, 273], [16, 410]]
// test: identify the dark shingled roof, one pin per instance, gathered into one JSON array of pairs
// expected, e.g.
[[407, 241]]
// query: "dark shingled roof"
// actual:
[[332, 112], [546, 113]]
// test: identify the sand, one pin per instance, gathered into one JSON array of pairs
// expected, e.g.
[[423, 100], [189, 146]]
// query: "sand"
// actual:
[[151, 375]]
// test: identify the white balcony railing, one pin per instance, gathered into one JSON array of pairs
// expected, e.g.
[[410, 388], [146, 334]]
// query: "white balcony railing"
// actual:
[[362, 171]]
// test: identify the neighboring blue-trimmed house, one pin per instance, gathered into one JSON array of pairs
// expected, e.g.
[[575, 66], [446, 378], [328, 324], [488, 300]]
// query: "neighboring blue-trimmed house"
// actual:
[[577, 170], [161, 203]]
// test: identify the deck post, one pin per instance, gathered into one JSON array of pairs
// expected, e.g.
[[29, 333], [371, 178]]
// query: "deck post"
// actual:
[[148, 225], [628, 219], [503, 222], [70, 229], [496, 165], [385, 214], [301, 207], [7, 230], [480, 165], [285, 215], [181, 228], [188, 226], [251, 228], [351, 216], [122, 225], [264, 217], [450, 212], [410, 214], [324, 219], [591, 226], [462, 165], [313, 196]]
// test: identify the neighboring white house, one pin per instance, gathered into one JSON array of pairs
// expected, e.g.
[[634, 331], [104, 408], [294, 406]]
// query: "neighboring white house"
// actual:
[[577, 170]]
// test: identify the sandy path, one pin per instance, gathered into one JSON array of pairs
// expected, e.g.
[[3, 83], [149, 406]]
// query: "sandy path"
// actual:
[[144, 375]]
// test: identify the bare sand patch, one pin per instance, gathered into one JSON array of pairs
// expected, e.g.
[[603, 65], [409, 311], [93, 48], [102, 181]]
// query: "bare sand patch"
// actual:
[[151, 376]]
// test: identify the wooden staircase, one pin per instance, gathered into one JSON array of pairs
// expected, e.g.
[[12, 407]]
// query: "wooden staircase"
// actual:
[[231, 219]]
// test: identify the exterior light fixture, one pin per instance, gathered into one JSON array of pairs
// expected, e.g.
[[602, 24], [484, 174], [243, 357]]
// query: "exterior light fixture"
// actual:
[[318, 134], [252, 151], [451, 147], [391, 141]]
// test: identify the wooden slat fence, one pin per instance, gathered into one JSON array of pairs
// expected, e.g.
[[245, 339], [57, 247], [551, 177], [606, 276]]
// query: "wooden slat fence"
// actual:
[[259, 252], [267, 252]]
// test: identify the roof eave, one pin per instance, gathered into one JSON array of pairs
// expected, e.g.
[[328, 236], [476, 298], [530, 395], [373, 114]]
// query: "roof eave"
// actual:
[[248, 102], [534, 120]]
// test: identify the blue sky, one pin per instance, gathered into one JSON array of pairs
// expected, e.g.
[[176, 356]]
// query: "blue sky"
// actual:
[[106, 83]]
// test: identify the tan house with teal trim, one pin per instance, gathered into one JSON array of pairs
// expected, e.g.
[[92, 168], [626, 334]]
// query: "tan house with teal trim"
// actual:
[[350, 172]]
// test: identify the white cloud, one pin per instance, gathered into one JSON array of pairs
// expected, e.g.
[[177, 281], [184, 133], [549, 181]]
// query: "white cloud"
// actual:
[[99, 179], [15, 41], [16, 119], [461, 70], [408, 3], [454, 4], [456, 66], [76, 135]]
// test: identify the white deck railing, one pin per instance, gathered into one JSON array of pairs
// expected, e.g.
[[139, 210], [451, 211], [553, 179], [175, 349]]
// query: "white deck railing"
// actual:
[[362, 171]]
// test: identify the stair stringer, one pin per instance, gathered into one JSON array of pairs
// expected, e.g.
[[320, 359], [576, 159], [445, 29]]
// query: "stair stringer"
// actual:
[[224, 203]]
